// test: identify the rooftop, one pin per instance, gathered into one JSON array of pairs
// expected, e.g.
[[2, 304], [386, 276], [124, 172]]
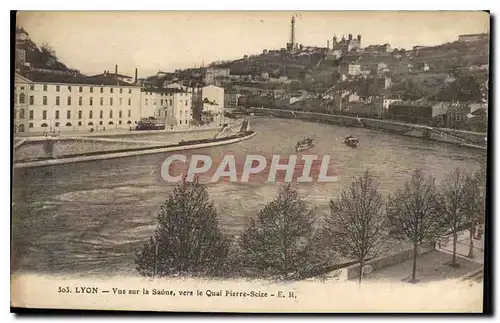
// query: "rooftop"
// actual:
[[71, 78]]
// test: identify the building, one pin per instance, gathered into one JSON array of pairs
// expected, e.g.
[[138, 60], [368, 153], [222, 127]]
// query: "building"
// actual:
[[213, 103], [62, 102], [381, 106], [385, 48], [429, 113], [172, 104], [350, 69], [473, 37], [213, 75], [346, 45], [22, 38]]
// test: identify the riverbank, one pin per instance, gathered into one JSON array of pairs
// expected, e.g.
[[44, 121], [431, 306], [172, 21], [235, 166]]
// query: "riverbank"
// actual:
[[462, 138], [82, 157]]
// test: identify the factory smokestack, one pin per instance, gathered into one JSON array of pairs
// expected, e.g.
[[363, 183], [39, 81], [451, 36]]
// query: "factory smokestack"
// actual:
[[136, 75], [116, 69]]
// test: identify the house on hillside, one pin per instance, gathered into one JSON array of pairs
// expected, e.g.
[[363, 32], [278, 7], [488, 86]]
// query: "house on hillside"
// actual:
[[419, 112]]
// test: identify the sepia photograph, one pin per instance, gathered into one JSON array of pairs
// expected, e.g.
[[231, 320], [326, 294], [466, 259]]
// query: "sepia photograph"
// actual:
[[250, 161]]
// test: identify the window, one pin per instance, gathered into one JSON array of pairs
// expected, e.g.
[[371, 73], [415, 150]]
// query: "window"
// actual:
[[120, 122], [91, 102], [100, 123], [101, 100], [30, 125], [21, 114], [129, 122], [80, 89], [146, 101], [79, 123], [110, 114], [161, 102], [80, 100], [22, 98], [111, 122], [111, 90], [120, 100], [180, 122], [79, 114], [91, 90], [101, 113], [32, 99], [44, 114], [121, 91], [170, 102], [181, 113], [32, 115], [129, 91], [68, 124], [110, 101], [45, 100], [44, 125], [57, 100], [32, 88], [129, 113], [90, 114], [68, 114], [102, 90], [69, 100], [129, 101], [45, 87], [58, 88], [120, 114], [186, 122], [57, 124], [186, 103], [69, 88], [57, 114], [90, 123]]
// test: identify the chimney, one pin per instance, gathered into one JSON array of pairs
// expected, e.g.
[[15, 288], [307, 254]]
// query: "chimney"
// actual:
[[350, 36], [116, 69], [328, 44], [136, 75], [359, 38]]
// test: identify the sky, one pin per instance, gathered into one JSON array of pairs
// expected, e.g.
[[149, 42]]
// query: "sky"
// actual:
[[94, 41]]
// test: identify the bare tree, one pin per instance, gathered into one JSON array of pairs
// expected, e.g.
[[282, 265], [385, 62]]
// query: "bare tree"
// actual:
[[453, 204], [413, 214], [475, 188], [356, 224], [280, 241], [188, 240]]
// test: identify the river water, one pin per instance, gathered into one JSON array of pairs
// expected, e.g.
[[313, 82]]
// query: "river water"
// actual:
[[89, 218]]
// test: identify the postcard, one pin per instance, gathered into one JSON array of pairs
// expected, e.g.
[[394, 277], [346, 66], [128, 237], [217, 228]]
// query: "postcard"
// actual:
[[260, 161]]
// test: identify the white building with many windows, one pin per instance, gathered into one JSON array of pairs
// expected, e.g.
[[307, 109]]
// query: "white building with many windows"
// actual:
[[61, 102], [172, 104]]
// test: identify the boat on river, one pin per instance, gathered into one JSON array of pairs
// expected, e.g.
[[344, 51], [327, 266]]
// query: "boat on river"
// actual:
[[351, 141], [304, 144]]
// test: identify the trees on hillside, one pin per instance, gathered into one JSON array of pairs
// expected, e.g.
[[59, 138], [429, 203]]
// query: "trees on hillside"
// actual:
[[356, 225], [280, 240], [413, 214], [188, 240]]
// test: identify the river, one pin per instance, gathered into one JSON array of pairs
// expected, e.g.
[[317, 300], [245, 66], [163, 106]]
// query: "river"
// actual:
[[89, 218]]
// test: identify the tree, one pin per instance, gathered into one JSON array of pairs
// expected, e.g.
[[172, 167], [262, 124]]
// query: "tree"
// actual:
[[280, 241], [475, 187], [187, 240], [413, 213], [453, 202], [356, 224]]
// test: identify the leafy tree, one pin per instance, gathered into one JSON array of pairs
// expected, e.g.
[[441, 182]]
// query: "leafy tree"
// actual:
[[356, 224], [188, 240], [453, 202], [413, 213], [280, 241]]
